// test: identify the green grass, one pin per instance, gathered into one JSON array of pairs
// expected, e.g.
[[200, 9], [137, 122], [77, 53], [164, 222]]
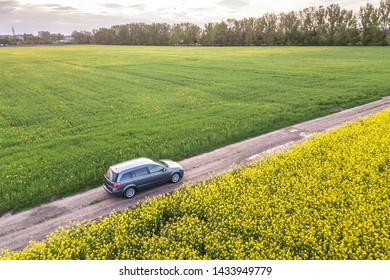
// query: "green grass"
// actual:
[[68, 113]]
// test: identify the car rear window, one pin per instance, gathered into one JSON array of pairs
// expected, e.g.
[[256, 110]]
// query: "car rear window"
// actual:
[[111, 175], [127, 176]]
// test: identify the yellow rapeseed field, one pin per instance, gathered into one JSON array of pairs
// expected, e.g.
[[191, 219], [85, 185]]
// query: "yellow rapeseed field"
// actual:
[[325, 198]]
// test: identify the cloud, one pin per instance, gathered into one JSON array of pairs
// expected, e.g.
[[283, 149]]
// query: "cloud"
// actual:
[[18, 7], [167, 8], [30, 18], [52, 7], [204, 9], [113, 6], [139, 6], [8, 6], [49, 5], [234, 4], [64, 8]]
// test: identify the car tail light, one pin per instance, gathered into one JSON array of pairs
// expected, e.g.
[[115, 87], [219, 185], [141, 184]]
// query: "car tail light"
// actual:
[[116, 185]]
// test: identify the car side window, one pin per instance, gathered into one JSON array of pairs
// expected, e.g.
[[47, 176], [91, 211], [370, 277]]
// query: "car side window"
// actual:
[[140, 172], [127, 176], [155, 168]]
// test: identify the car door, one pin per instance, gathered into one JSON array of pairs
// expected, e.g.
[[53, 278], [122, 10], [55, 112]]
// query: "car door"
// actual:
[[141, 178], [158, 174]]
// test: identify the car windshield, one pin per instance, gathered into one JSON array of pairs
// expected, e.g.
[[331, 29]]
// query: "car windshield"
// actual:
[[162, 163], [111, 175]]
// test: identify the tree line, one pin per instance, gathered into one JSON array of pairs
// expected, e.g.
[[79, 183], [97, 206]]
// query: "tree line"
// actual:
[[44, 38], [331, 25]]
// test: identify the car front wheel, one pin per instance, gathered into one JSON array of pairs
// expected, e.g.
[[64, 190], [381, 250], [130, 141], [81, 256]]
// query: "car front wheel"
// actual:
[[175, 177], [130, 192]]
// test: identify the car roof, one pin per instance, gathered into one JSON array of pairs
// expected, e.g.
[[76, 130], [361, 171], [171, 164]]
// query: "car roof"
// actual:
[[119, 167]]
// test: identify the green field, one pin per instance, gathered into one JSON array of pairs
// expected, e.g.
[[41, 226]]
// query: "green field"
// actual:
[[67, 113]]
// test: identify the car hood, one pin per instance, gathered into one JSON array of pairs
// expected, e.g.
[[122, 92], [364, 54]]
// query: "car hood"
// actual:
[[171, 164]]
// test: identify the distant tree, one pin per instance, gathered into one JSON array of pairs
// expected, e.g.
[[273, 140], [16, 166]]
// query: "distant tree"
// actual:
[[353, 36], [137, 33], [288, 29], [209, 34], [194, 33], [158, 34], [83, 37], [259, 32], [105, 36], [308, 25], [320, 22], [333, 22], [369, 20], [347, 28], [235, 33], [45, 38], [177, 35], [384, 19], [6, 40], [329, 25], [30, 39], [269, 23], [185, 34], [248, 29], [122, 34], [56, 37], [221, 34]]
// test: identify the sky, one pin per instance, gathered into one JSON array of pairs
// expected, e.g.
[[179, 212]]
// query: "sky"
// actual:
[[66, 16]]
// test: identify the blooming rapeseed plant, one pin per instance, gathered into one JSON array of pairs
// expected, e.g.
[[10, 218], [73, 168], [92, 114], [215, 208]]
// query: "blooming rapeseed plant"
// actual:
[[325, 198]]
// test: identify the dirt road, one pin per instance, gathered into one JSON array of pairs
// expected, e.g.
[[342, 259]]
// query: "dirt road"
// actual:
[[34, 224]]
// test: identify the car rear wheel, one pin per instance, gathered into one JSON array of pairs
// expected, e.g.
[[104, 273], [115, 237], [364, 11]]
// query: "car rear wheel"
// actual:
[[130, 192], [175, 177]]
